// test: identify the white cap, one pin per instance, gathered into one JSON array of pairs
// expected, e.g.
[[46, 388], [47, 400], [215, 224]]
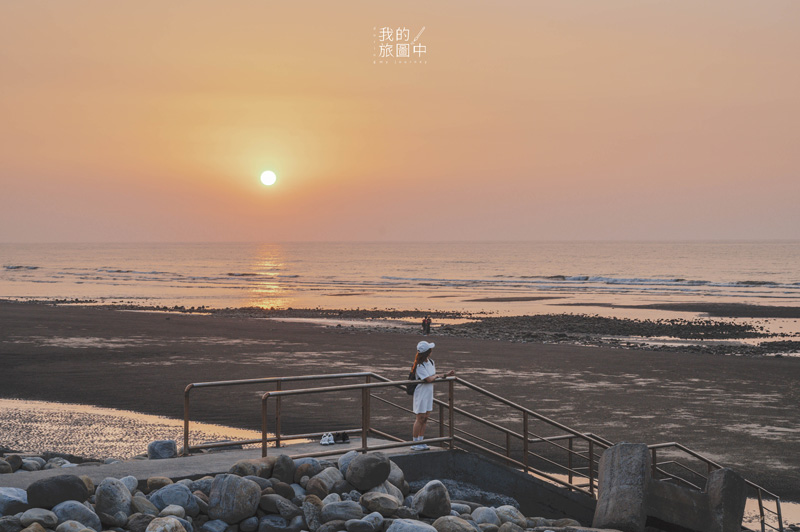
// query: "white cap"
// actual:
[[425, 346]]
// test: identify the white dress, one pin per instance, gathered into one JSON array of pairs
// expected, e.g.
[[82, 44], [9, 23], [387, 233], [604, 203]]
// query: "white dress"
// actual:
[[423, 393]]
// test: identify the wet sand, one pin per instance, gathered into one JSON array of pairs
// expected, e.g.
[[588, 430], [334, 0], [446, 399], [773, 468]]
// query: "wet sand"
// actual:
[[717, 310], [739, 411]]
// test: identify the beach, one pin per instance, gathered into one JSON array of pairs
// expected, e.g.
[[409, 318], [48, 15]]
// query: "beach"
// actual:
[[738, 410]]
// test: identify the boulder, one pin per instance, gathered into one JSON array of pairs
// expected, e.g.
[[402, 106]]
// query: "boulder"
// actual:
[[488, 527], [249, 525], [46, 518], [450, 523], [5, 468], [563, 522], [510, 514], [14, 460], [329, 477], [257, 467], [486, 515], [341, 511], [409, 525], [156, 483], [71, 526], [30, 465], [389, 489], [13, 501], [10, 523], [397, 478], [332, 526], [510, 527], [131, 483], [623, 482], [112, 496], [283, 489], [175, 494], [359, 525], [48, 492], [366, 471], [333, 497], [404, 512], [215, 525], [116, 520], [273, 523], [173, 510], [76, 511], [34, 527], [161, 449], [139, 522], [306, 469], [269, 502], [140, 504], [263, 483], [384, 504], [432, 500], [312, 511], [184, 523], [344, 461], [165, 524], [284, 469], [233, 498], [460, 508]]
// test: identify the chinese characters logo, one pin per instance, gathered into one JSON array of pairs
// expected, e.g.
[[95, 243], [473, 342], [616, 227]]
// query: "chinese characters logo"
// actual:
[[396, 45]]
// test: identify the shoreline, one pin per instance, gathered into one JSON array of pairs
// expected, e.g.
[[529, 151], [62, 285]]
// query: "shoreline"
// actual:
[[739, 411]]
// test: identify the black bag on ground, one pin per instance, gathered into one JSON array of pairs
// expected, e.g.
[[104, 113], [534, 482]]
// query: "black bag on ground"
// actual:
[[412, 376]]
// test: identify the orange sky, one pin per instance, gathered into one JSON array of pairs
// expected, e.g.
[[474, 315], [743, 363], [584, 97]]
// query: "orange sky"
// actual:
[[545, 119]]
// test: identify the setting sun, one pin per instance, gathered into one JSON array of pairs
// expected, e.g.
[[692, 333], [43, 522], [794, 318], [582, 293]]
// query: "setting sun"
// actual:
[[268, 177]]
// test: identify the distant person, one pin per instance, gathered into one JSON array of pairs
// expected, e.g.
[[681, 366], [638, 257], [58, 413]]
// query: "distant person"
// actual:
[[425, 370], [426, 325]]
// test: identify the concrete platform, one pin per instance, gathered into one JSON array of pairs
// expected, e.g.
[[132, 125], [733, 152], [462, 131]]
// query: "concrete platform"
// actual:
[[191, 467]]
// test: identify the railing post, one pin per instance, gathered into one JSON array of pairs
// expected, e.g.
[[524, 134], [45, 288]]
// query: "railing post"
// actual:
[[186, 420], [278, 416], [508, 444], [452, 407], [369, 407], [264, 426], [364, 393], [525, 439], [441, 421], [591, 467], [569, 459], [654, 464], [761, 511]]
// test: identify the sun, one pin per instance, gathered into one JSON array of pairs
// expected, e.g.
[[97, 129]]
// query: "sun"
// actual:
[[268, 177]]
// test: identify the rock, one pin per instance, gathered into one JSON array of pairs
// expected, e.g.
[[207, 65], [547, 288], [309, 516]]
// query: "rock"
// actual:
[[269, 503], [175, 494], [344, 461], [173, 510], [389, 489], [564, 522], [131, 483], [509, 514], [139, 522], [405, 512], [34, 527], [298, 523], [316, 487], [201, 500], [408, 525], [233, 498], [384, 504], [215, 525], [486, 515], [433, 500], [623, 481], [450, 523], [203, 484], [283, 489], [273, 523], [165, 524], [46, 518], [488, 527], [397, 478], [343, 487], [88, 483], [72, 526], [13, 501], [5, 468], [10, 523], [75, 511], [332, 526], [113, 496], [329, 477], [284, 469], [116, 520], [143, 506], [359, 525], [333, 497], [30, 465], [257, 467], [460, 507], [727, 495], [341, 511], [307, 469], [366, 471], [510, 527], [312, 511], [156, 483], [161, 449], [48, 492], [263, 483], [249, 525], [14, 460]]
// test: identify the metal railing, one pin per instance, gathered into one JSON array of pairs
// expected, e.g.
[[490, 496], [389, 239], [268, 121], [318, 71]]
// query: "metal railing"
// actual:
[[581, 450]]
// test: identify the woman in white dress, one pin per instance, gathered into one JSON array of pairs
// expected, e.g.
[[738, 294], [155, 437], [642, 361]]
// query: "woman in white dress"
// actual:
[[425, 370]]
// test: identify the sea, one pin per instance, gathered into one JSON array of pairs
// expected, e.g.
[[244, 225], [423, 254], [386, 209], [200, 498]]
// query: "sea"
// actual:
[[496, 278]]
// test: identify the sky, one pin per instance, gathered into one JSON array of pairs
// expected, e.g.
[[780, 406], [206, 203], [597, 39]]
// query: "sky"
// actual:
[[151, 121]]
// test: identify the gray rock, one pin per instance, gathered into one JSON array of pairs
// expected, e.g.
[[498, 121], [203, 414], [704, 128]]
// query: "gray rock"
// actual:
[[333, 497], [460, 507], [409, 525], [366, 471], [397, 478], [113, 496], [175, 494], [273, 523], [13, 501], [257, 467], [299, 492], [298, 523], [140, 504], [287, 509], [486, 515], [186, 524], [344, 461], [307, 469], [48, 492], [341, 511], [131, 483], [165, 524], [14, 460], [727, 495], [249, 525], [201, 498], [284, 469], [511, 527], [488, 527], [46, 518], [375, 519], [156, 483], [161, 449], [536, 522], [312, 511], [269, 503], [263, 483], [203, 484], [71, 526], [405, 512], [75, 511], [283, 489], [10, 523], [332, 526], [173, 510], [450, 523], [137, 522], [384, 504], [5, 468], [359, 525], [216, 525], [509, 514], [233, 498], [564, 522], [116, 520], [623, 482], [30, 465], [329, 477], [389, 489], [433, 500]]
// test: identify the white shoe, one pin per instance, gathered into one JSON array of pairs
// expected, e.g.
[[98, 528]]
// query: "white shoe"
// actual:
[[420, 447], [326, 439]]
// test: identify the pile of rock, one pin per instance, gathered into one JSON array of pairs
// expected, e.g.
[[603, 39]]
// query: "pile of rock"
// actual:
[[19, 462], [358, 493]]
